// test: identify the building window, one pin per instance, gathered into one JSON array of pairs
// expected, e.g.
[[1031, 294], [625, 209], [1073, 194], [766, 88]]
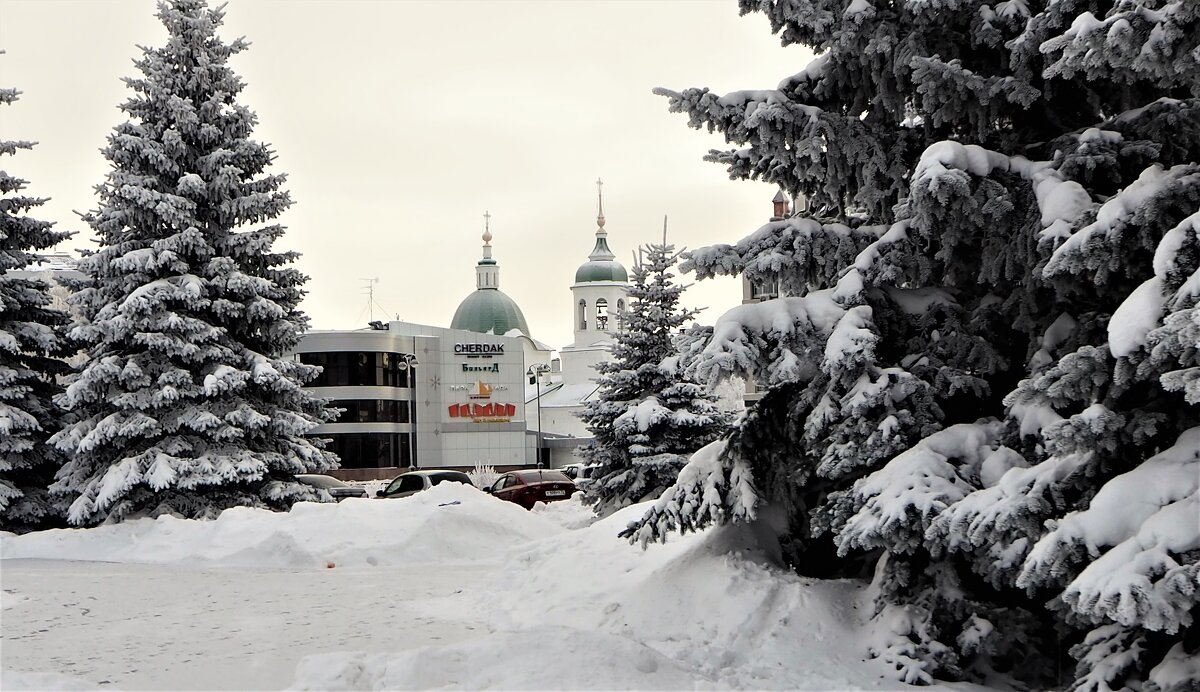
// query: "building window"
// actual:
[[369, 450], [601, 314], [357, 369], [371, 411], [582, 315], [764, 289]]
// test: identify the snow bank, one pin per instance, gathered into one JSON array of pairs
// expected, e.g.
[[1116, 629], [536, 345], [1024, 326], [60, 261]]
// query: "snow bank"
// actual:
[[20, 680], [709, 601], [584, 609], [449, 522], [540, 658], [552, 608]]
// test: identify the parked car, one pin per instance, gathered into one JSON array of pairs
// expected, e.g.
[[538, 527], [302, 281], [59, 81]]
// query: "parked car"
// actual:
[[416, 481], [586, 475], [340, 490], [528, 487], [572, 470]]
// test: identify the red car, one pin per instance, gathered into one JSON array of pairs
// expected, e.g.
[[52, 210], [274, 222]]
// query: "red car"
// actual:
[[527, 487]]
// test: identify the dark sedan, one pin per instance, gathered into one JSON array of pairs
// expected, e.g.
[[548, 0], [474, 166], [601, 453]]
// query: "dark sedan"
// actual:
[[338, 489], [528, 487]]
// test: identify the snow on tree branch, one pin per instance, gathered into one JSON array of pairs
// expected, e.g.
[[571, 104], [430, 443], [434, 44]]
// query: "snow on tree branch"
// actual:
[[1136, 532], [709, 490], [897, 503], [776, 340]]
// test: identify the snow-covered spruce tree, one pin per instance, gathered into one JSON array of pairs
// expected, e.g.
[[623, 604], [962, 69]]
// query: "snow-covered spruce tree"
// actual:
[[185, 403], [31, 347], [1107, 516], [1002, 249], [649, 416]]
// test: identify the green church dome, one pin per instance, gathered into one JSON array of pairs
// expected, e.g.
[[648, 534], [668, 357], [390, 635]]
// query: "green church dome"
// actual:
[[602, 264], [603, 270], [489, 310]]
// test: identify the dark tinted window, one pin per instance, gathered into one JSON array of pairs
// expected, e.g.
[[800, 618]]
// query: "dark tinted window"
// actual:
[[454, 476], [539, 476], [371, 411], [411, 482], [357, 368], [369, 450]]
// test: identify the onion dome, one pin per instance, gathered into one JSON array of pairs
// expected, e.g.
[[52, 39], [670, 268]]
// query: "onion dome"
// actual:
[[488, 310], [602, 264]]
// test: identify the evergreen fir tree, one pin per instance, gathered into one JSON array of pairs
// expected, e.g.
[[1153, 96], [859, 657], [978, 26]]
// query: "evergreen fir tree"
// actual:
[[31, 345], [649, 416], [186, 403], [987, 387]]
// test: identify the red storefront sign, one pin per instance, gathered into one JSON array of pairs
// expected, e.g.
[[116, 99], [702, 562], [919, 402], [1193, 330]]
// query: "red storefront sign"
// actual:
[[490, 410]]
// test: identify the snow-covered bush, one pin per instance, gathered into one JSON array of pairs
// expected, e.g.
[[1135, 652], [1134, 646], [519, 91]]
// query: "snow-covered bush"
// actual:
[[483, 475], [649, 415], [186, 403], [984, 386]]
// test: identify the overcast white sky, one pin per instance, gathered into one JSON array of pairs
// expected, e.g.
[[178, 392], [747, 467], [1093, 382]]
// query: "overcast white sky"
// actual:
[[400, 122]]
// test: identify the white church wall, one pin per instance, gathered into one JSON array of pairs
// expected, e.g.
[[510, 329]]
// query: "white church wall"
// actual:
[[562, 421]]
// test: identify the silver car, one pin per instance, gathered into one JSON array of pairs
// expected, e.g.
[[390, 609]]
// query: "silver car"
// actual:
[[337, 489], [415, 481]]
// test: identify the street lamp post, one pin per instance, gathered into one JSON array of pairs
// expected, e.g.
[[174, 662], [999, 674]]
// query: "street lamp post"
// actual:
[[536, 371], [409, 365]]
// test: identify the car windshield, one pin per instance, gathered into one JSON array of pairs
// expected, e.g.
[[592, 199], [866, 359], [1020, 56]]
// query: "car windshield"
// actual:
[[454, 476], [543, 477], [318, 481]]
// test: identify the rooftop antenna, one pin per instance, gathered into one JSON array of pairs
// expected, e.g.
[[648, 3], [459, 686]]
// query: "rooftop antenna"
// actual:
[[369, 310]]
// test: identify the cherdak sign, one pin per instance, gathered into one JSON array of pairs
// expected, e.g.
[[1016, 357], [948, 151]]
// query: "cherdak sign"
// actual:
[[475, 350]]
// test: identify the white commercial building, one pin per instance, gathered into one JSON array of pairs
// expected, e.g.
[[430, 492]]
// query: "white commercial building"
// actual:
[[422, 396], [482, 391]]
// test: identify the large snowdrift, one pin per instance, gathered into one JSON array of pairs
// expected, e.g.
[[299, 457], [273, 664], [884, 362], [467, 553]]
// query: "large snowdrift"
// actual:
[[448, 523], [553, 600]]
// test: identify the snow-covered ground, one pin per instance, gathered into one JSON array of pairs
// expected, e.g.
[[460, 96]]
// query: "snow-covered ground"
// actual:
[[447, 588]]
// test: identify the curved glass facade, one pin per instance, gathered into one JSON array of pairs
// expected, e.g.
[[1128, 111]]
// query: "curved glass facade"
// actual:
[[363, 450], [357, 369], [369, 450], [372, 411]]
